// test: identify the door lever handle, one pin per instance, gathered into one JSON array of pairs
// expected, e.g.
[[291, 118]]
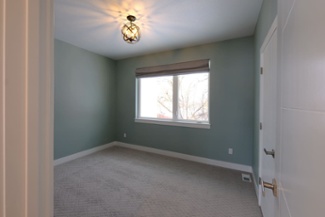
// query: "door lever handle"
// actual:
[[272, 152]]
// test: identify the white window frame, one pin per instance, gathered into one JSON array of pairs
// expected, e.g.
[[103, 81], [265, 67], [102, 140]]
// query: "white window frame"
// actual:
[[174, 121]]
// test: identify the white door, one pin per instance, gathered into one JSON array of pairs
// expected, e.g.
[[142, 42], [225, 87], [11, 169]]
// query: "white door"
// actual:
[[268, 119], [302, 145], [26, 108]]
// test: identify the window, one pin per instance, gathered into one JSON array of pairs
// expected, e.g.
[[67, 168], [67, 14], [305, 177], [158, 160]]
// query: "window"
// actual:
[[174, 97]]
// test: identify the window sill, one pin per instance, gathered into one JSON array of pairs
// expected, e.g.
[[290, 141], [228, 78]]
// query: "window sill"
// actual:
[[174, 123]]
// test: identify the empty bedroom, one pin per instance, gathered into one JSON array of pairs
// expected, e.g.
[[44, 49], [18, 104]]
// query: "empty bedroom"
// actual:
[[162, 108], [155, 105]]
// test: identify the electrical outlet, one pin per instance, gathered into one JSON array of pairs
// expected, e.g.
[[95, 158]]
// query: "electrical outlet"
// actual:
[[230, 151], [124, 135]]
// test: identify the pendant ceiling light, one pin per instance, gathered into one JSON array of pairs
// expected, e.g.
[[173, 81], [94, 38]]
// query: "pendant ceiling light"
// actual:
[[130, 31]]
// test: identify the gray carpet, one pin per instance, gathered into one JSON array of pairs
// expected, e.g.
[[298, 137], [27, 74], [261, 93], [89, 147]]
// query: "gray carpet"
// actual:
[[122, 182]]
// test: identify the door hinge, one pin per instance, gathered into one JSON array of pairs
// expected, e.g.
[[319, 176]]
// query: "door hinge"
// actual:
[[261, 71], [261, 126], [272, 152]]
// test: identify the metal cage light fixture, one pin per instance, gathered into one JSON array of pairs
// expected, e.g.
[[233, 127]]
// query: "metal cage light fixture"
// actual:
[[130, 31]]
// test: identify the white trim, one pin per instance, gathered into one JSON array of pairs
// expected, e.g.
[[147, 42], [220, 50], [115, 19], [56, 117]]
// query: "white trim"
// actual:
[[46, 173], [174, 123], [26, 125], [267, 39], [39, 108], [2, 109], [203, 160], [233, 166], [256, 185], [83, 153], [175, 99]]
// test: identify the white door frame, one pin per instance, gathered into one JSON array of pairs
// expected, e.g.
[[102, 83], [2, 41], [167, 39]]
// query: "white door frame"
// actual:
[[261, 151], [26, 108]]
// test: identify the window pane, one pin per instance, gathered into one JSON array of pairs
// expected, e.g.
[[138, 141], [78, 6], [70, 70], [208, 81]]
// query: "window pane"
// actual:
[[193, 99], [156, 97]]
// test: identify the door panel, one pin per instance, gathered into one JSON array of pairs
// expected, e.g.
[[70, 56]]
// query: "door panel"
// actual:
[[268, 117], [302, 182], [302, 143], [303, 50], [26, 101]]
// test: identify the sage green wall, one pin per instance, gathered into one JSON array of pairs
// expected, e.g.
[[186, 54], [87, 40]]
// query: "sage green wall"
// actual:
[[84, 100], [266, 17], [231, 103]]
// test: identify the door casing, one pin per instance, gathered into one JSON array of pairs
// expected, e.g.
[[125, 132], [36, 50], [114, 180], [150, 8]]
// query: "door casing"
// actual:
[[270, 36]]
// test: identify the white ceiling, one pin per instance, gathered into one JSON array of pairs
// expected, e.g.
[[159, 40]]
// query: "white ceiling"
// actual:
[[95, 25]]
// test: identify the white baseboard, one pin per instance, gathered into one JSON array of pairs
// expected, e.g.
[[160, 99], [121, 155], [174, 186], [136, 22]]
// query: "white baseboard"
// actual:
[[257, 188], [203, 160], [82, 153], [233, 166], [256, 185]]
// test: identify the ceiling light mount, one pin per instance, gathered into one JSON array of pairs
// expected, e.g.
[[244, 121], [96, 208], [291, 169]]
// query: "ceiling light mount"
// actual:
[[130, 31], [131, 18]]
